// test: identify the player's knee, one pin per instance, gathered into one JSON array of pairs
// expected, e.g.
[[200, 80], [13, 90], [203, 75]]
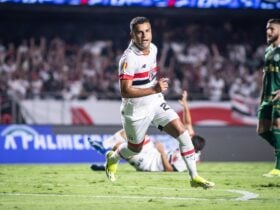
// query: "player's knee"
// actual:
[[136, 147]]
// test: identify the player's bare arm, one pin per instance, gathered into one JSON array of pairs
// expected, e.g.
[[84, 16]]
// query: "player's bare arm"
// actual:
[[128, 91], [167, 166], [186, 113]]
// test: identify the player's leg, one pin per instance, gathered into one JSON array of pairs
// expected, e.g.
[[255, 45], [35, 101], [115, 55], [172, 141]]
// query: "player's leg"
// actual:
[[135, 132], [168, 120], [97, 145], [265, 123], [276, 137], [176, 129], [108, 143]]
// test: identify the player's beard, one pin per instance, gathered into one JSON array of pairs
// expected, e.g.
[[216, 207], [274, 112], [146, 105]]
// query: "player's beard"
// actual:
[[143, 46], [272, 39]]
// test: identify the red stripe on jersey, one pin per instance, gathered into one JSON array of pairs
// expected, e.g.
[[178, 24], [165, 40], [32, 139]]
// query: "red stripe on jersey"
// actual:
[[125, 76], [141, 75], [188, 152]]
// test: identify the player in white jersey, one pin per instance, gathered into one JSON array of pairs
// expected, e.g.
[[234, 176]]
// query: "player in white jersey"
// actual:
[[153, 156], [143, 103]]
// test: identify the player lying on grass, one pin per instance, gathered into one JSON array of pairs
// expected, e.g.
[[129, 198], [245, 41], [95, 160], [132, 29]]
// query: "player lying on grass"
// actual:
[[153, 156]]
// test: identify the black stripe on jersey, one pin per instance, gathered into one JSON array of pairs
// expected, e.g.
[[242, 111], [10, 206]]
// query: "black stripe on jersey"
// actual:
[[141, 82]]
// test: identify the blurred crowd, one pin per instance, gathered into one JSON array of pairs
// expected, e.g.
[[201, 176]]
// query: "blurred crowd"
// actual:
[[212, 62]]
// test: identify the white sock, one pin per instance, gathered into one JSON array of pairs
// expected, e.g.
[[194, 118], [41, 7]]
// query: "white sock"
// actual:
[[123, 152], [188, 153]]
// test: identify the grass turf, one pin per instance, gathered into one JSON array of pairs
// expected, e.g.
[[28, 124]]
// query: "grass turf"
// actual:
[[75, 186]]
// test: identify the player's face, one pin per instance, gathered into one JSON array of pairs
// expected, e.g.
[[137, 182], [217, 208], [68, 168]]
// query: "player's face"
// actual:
[[142, 36], [272, 33]]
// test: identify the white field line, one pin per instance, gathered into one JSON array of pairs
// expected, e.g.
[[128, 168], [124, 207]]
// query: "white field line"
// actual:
[[245, 196]]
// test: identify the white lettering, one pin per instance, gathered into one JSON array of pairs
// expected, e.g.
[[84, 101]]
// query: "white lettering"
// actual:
[[212, 3], [86, 143], [76, 141], [124, 2], [64, 142], [10, 142], [39, 142], [26, 139], [50, 143]]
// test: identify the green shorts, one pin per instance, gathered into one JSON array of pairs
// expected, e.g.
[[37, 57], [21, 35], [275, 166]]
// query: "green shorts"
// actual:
[[269, 110]]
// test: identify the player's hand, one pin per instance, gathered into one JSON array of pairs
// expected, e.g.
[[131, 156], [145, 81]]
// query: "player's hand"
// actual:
[[276, 95], [183, 100], [162, 85]]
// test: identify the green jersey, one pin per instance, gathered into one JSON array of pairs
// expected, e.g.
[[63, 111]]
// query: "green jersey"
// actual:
[[271, 79]]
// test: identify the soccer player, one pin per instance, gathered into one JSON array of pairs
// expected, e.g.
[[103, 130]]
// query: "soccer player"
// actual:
[[269, 110], [152, 157], [143, 103]]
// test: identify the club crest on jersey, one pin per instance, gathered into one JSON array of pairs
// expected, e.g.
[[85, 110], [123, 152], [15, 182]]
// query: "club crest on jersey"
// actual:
[[276, 57]]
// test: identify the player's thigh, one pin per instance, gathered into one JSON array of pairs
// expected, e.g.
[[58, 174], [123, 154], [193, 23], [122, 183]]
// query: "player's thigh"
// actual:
[[165, 117], [136, 129], [265, 115], [276, 114]]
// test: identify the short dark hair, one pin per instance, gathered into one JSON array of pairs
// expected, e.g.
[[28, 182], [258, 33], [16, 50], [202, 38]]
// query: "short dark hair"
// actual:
[[137, 20], [277, 21], [198, 142]]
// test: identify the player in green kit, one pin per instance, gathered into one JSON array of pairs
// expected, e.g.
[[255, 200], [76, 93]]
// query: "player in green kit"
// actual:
[[269, 110]]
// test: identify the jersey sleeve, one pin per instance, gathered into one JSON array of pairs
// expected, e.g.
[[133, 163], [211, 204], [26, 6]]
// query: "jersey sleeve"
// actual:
[[127, 67]]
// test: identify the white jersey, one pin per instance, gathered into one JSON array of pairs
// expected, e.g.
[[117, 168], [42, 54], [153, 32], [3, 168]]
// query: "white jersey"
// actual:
[[149, 159], [138, 113], [141, 69], [176, 160]]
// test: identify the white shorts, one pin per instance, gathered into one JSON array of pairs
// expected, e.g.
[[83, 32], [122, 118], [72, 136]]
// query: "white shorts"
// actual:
[[139, 113]]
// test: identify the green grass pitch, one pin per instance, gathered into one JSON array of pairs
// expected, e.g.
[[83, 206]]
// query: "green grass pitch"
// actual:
[[75, 186]]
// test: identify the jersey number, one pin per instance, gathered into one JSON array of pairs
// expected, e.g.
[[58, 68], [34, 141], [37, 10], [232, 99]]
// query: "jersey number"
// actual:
[[164, 106]]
